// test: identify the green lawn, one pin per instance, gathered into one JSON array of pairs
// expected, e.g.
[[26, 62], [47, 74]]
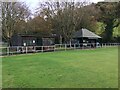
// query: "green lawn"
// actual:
[[94, 68]]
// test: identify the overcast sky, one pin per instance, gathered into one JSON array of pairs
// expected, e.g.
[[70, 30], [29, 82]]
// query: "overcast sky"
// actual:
[[34, 3]]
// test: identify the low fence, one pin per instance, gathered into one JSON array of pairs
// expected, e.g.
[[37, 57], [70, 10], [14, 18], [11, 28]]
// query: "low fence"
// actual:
[[56, 47]]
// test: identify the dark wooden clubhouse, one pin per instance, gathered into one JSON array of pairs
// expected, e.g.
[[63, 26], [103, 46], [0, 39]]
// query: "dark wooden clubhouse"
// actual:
[[31, 40]]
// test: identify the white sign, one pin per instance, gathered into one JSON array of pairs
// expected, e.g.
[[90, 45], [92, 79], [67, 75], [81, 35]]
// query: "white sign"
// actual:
[[33, 41], [24, 44]]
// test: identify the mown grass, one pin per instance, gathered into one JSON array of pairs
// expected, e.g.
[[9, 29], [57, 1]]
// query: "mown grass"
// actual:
[[96, 68]]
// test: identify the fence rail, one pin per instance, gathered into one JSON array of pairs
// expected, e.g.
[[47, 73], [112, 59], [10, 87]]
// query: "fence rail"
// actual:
[[56, 47]]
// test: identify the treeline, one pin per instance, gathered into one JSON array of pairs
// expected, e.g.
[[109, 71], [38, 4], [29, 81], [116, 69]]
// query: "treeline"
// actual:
[[61, 19]]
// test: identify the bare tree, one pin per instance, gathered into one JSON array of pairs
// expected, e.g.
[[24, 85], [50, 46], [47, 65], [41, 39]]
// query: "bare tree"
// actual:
[[12, 12], [65, 16]]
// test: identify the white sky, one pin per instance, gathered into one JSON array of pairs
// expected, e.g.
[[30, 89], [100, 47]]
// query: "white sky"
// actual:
[[34, 3]]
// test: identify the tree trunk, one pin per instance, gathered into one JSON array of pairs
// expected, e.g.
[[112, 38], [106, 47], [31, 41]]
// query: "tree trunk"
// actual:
[[109, 31]]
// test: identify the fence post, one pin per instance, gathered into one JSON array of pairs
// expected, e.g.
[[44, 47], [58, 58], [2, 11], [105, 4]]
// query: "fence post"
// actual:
[[79, 45], [74, 46], [26, 50], [42, 48], [8, 50], [65, 47], [48, 48], [34, 48], [54, 47], [17, 49]]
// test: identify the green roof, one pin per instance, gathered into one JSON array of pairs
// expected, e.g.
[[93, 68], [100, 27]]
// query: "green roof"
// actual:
[[85, 33]]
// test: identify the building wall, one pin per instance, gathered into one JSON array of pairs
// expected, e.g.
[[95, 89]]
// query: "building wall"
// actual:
[[48, 41], [28, 41], [16, 40]]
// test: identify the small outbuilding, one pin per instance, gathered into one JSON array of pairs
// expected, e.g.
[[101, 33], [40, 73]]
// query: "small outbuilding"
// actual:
[[84, 36]]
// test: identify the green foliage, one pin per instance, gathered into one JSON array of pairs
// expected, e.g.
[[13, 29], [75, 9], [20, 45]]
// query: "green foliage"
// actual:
[[100, 28], [107, 11], [116, 31], [96, 68], [118, 10], [109, 18]]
